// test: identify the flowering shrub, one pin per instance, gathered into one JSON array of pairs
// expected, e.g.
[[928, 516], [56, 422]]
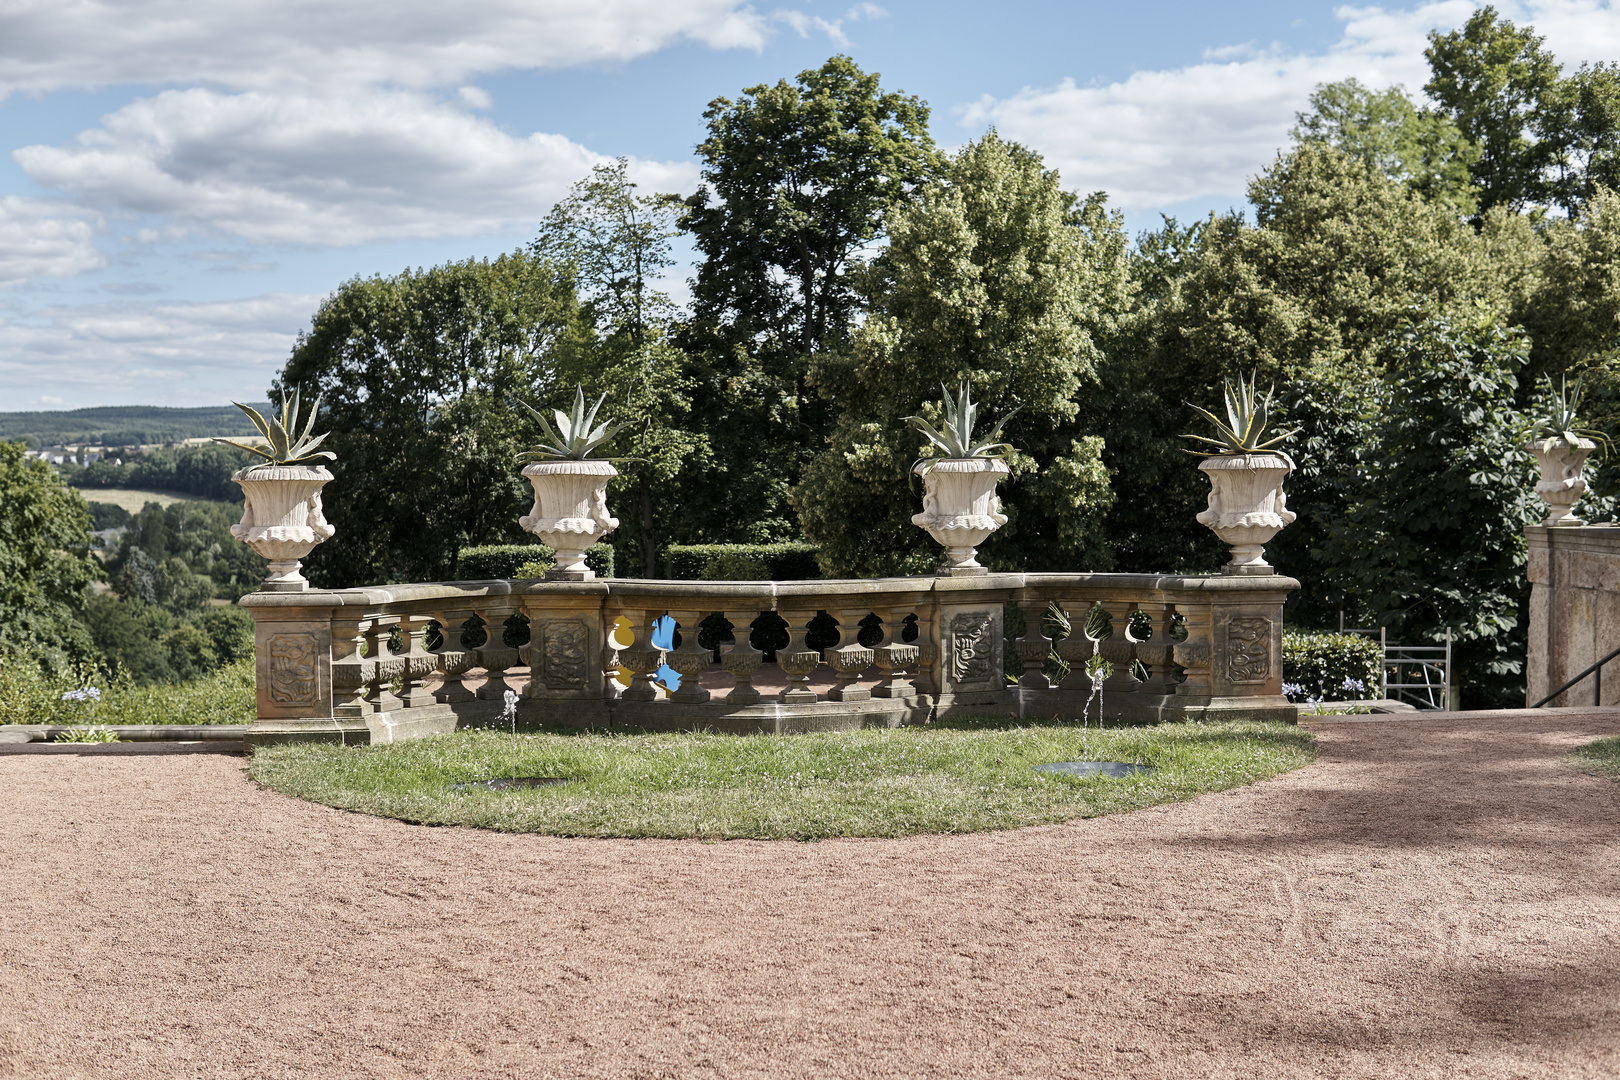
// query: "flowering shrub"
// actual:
[[1329, 667]]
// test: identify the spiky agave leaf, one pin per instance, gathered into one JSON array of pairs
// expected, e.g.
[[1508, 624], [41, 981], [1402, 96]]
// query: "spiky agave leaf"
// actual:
[[285, 449], [1564, 421], [956, 440], [1245, 423], [575, 434]]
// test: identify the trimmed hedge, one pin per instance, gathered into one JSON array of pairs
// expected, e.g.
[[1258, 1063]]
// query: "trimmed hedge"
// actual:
[[742, 562], [506, 560], [1316, 667]]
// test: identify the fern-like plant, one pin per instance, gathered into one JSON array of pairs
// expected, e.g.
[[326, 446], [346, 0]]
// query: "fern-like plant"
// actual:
[[955, 439], [1245, 424], [285, 447], [575, 436], [1561, 424]]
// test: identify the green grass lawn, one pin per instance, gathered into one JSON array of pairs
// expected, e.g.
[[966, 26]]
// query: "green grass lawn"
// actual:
[[1601, 757], [947, 778]]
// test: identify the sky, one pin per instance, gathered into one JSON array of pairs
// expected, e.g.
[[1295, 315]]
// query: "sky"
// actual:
[[184, 181]]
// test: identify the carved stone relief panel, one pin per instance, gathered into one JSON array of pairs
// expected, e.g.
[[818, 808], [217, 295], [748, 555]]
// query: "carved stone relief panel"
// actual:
[[564, 652], [1248, 649], [972, 647], [292, 669]]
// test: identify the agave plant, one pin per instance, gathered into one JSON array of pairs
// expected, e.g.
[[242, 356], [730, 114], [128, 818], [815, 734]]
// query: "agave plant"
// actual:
[[574, 437], [1244, 426], [285, 449], [1561, 425], [957, 439]]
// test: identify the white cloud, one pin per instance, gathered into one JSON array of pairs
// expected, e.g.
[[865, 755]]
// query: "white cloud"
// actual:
[[262, 44], [45, 238], [177, 353], [1164, 137], [372, 166]]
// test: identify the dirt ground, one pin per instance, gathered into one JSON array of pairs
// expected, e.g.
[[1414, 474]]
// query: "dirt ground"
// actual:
[[1434, 897]]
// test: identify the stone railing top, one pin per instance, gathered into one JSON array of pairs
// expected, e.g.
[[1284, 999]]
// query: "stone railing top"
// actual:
[[768, 591]]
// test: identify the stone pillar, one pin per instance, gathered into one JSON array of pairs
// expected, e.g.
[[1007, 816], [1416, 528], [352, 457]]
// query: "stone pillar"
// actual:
[[1120, 648], [292, 644], [1233, 650], [1574, 611]]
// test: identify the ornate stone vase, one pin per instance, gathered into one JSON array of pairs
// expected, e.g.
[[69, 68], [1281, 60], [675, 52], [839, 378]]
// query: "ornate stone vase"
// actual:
[[570, 511], [960, 508], [1562, 483], [282, 519], [1247, 506]]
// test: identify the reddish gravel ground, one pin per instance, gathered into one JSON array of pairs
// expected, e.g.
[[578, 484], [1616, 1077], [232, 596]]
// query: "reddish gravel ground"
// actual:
[[1434, 897]]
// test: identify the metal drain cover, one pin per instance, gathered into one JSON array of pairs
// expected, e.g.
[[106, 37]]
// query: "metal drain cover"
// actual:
[[1094, 768], [510, 783]]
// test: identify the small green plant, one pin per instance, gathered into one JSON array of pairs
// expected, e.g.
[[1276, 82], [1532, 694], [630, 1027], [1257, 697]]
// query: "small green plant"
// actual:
[[1244, 426], [956, 440], [575, 436], [285, 449], [87, 735], [1561, 424]]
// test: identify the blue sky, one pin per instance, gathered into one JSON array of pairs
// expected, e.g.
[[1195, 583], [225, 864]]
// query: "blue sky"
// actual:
[[184, 182]]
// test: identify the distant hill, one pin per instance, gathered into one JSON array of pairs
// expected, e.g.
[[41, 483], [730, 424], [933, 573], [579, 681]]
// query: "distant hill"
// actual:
[[124, 425]]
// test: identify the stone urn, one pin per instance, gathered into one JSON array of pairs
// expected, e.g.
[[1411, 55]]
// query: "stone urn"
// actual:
[[570, 511], [1561, 484], [1247, 506], [960, 508], [282, 520]]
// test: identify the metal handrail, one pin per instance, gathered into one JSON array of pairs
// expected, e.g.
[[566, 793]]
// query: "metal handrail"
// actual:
[[1596, 670]]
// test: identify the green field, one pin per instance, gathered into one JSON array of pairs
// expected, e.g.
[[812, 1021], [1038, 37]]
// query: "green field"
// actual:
[[125, 425]]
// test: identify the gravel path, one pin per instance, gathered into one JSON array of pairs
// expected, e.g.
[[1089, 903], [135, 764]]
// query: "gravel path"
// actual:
[[1434, 897]]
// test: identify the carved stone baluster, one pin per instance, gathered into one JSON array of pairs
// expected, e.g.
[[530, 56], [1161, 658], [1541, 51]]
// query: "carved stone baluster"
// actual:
[[1156, 651], [742, 659], [453, 656], [797, 660], [850, 658], [611, 660], [389, 666], [894, 657], [642, 659], [351, 672], [1034, 647], [1196, 653], [690, 660], [927, 678], [494, 655], [1076, 649], [418, 662], [1120, 649]]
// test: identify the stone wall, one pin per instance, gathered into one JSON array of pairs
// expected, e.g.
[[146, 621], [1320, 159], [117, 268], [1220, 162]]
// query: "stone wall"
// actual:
[[1574, 611]]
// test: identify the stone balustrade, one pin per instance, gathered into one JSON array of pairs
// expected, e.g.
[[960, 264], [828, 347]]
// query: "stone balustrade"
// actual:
[[386, 663]]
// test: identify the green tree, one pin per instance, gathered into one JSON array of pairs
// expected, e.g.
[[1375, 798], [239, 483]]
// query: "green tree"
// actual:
[[616, 242], [797, 181], [997, 275], [1311, 293], [1585, 125], [1419, 148], [1497, 83], [417, 374], [45, 565], [1436, 538]]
